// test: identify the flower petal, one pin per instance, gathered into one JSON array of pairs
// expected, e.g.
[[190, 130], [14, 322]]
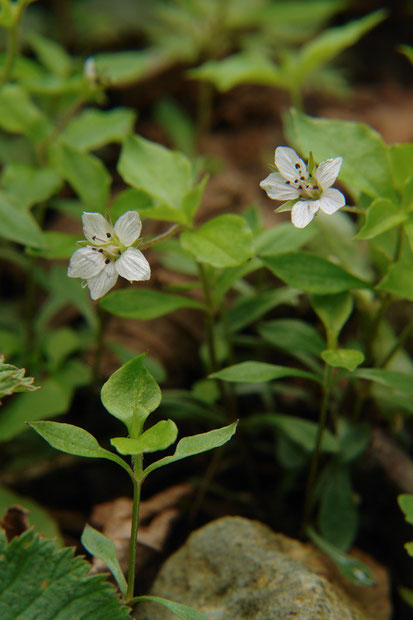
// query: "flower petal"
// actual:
[[331, 200], [289, 164], [277, 188], [128, 227], [303, 212], [96, 228], [85, 263], [132, 265], [103, 282], [327, 172]]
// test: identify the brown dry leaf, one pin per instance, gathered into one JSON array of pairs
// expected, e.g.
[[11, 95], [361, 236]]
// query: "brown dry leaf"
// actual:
[[15, 521]]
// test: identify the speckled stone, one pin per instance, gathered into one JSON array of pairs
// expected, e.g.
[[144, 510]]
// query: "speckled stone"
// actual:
[[238, 569]]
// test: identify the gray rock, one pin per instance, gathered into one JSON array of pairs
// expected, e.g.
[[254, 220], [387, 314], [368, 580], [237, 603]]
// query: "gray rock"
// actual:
[[236, 569]]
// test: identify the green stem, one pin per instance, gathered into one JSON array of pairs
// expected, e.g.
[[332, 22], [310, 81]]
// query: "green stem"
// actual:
[[169, 233], [12, 44], [315, 458], [296, 98], [398, 345], [137, 484]]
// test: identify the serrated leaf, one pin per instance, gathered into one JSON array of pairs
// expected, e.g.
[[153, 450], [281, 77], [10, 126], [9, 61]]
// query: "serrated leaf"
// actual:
[[158, 437], [301, 432], [382, 215], [399, 279], [164, 174], [259, 372], [366, 161], [181, 611], [131, 393], [196, 444], [144, 304], [102, 547], [12, 379], [343, 358], [38, 581], [85, 173], [224, 241], [92, 129], [312, 274]]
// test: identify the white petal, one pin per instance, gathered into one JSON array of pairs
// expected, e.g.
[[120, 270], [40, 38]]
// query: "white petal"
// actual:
[[128, 227], [132, 265], [331, 200], [289, 164], [85, 263], [277, 188], [303, 212], [96, 228], [103, 282], [327, 172]]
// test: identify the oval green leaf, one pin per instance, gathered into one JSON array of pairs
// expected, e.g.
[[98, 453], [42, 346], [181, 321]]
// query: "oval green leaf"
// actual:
[[343, 358], [144, 304], [158, 437], [259, 372]]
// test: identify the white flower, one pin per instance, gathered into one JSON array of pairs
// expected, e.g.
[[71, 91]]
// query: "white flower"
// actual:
[[310, 191], [110, 253]]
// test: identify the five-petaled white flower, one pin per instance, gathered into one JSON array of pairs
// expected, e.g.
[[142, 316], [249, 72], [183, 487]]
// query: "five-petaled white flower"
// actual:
[[311, 191], [110, 253]]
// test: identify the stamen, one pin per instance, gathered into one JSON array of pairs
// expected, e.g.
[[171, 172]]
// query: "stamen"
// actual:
[[107, 261], [315, 187], [302, 178], [297, 166], [300, 187], [108, 235], [100, 250], [94, 249], [94, 238], [287, 182]]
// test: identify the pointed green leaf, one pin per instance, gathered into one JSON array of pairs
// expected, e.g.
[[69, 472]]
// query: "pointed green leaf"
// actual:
[[144, 304], [85, 173], [57, 245], [52, 55], [343, 358], [131, 393], [125, 67], [29, 185], [366, 161], [338, 518], [18, 225], [401, 160], [18, 114], [224, 241], [334, 311], [189, 446], [398, 381], [92, 129], [282, 238], [405, 502], [102, 547], [70, 439], [181, 611], [164, 174], [292, 336], [247, 310], [259, 372], [399, 279], [382, 215], [158, 437], [312, 274]]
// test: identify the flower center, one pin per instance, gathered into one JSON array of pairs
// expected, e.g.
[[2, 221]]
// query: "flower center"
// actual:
[[305, 184], [111, 248]]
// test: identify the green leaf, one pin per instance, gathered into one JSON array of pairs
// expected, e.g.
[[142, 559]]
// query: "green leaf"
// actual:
[[165, 175], [292, 336], [177, 125], [357, 572], [181, 611], [343, 358], [57, 245], [130, 200], [405, 502], [38, 581], [18, 225], [282, 238], [71, 439], [85, 173], [259, 372], [354, 439], [312, 274], [337, 518], [398, 381], [189, 446], [102, 547], [158, 437], [12, 379], [59, 344], [52, 55], [92, 128], [244, 67], [382, 215], [301, 432], [224, 241], [38, 517], [334, 311], [247, 310], [125, 67], [366, 162], [407, 50], [51, 400], [401, 160], [18, 114], [131, 393], [329, 43], [145, 304], [399, 279], [29, 185]]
